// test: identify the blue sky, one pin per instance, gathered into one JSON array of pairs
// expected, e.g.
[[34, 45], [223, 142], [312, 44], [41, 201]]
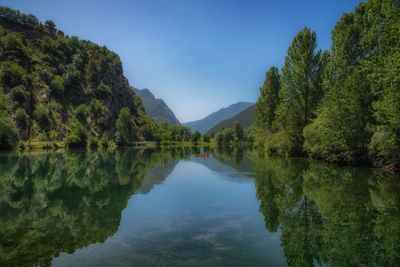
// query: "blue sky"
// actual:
[[197, 55]]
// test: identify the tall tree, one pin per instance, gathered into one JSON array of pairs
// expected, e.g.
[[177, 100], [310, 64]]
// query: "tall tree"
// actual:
[[360, 78], [268, 100], [300, 93]]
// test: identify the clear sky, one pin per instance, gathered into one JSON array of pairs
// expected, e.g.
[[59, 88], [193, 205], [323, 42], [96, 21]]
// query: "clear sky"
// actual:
[[197, 55]]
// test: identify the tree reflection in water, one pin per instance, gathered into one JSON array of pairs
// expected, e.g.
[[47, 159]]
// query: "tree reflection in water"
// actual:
[[53, 203], [342, 216]]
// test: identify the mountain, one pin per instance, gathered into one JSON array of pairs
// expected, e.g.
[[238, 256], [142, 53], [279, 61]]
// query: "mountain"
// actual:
[[156, 107], [53, 85], [245, 118], [214, 118]]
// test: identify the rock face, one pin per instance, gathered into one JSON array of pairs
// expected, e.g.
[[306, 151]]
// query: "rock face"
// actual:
[[244, 118], [204, 125], [156, 107]]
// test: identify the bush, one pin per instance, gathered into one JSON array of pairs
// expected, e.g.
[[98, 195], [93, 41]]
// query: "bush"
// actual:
[[57, 86], [206, 138], [104, 142], [42, 116], [8, 133], [20, 96], [78, 136], [12, 74], [196, 137], [21, 119]]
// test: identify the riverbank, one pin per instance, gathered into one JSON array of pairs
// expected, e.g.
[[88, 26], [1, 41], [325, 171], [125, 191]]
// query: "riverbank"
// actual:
[[57, 145]]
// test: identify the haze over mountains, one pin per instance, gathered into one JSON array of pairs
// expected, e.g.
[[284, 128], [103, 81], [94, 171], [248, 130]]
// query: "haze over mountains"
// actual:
[[242, 112], [214, 118]]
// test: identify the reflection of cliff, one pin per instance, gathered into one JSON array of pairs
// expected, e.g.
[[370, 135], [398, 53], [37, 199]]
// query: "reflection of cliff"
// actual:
[[54, 203], [234, 164], [156, 176], [338, 215]]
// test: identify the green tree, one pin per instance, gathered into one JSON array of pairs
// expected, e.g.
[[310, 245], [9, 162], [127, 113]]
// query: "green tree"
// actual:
[[22, 122], [125, 127], [356, 115], [50, 26], [239, 132], [8, 132], [301, 90], [196, 137], [42, 116], [268, 99]]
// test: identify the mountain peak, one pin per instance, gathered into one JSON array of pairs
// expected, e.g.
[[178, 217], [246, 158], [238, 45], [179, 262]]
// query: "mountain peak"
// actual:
[[156, 107]]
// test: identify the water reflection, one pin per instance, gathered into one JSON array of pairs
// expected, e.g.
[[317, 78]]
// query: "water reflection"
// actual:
[[52, 203], [341, 216], [314, 214]]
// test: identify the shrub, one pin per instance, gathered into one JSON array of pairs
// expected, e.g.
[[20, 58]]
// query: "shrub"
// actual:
[[42, 116], [8, 133], [78, 136], [21, 119]]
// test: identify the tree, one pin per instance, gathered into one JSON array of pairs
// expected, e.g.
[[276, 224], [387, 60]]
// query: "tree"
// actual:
[[196, 137], [22, 121], [229, 137], [8, 132], [50, 26], [360, 113], [124, 127], [239, 132], [78, 135], [300, 93], [268, 99], [220, 138], [42, 116]]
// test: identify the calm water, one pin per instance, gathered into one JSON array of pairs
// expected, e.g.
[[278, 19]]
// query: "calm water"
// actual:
[[169, 208]]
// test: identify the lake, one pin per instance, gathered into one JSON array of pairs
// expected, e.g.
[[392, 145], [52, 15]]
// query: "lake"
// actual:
[[169, 207]]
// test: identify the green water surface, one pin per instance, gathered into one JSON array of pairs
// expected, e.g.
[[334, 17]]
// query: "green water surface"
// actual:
[[132, 207]]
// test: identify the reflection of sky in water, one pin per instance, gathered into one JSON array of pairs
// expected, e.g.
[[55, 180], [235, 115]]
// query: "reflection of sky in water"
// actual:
[[196, 217]]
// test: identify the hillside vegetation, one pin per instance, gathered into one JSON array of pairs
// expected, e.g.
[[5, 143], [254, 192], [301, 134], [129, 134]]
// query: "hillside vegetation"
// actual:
[[341, 105], [57, 87]]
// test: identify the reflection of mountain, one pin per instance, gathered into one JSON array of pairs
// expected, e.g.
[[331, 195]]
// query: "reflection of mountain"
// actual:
[[156, 176], [222, 167], [337, 215], [55, 203]]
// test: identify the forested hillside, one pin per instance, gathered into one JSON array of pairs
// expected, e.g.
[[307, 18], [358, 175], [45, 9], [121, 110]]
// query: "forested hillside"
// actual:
[[57, 87], [341, 105]]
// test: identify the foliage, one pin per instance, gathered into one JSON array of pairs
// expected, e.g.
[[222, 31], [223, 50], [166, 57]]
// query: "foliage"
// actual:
[[268, 100], [342, 105], [196, 137], [125, 127], [8, 132], [78, 135], [60, 80]]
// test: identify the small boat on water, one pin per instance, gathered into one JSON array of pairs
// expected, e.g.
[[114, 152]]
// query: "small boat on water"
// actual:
[[204, 155]]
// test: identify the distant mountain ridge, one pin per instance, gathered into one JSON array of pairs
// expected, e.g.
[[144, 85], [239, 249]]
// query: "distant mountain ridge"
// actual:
[[156, 107], [245, 118], [205, 124]]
